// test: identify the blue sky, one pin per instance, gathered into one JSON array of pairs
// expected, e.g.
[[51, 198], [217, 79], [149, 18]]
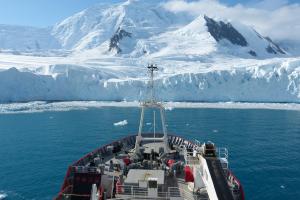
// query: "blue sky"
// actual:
[[43, 13]]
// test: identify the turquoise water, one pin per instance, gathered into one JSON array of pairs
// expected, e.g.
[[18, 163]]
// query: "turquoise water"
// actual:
[[36, 148]]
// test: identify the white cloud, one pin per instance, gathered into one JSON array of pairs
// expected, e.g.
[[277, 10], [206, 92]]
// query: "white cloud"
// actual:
[[268, 4], [274, 18]]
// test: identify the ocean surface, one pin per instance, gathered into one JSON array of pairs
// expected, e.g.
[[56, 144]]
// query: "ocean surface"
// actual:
[[37, 148]]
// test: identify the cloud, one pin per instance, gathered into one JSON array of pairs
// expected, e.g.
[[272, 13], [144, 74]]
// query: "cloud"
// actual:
[[274, 18], [268, 4]]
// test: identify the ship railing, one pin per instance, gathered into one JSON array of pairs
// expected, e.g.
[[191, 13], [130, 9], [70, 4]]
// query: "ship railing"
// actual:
[[135, 192], [223, 157], [191, 160], [189, 157], [70, 195], [198, 143], [83, 169], [223, 152], [176, 192], [130, 190]]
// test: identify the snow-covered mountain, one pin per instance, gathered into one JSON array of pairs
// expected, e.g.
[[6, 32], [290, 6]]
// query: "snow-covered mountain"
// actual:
[[136, 28], [22, 39], [101, 53], [107, 26]]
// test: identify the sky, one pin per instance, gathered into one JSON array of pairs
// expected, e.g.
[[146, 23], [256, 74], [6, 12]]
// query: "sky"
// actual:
[[44, 13], [41, 13]]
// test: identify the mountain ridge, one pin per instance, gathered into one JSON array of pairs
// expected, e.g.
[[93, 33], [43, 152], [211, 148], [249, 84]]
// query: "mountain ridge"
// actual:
[[96, 27]]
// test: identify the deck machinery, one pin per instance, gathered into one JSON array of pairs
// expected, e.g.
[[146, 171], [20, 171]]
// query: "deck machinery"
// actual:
[[153, 165]]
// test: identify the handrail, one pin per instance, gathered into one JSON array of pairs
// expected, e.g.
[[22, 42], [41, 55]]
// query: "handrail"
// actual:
[[137, 192], [223, 155], [78, 195], [84, 169], [189, 158], [223, 152], [198, 143], [187, 195]]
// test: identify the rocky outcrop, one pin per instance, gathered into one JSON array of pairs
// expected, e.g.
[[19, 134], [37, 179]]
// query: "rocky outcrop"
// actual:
[[220, 30], [116, 38]]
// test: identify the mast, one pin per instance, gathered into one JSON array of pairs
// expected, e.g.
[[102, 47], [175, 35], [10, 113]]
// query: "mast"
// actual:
[[151, 69], [152, 103]]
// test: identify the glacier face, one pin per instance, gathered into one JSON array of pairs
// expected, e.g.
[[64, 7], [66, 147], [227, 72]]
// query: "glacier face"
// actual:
[[272, 80], [101, 54]]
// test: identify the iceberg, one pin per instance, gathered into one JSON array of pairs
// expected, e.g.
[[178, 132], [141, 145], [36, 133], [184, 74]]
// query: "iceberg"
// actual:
[[121, 123]]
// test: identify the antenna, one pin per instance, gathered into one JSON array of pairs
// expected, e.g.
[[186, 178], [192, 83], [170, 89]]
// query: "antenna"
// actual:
[[154, 123], [151, 69]]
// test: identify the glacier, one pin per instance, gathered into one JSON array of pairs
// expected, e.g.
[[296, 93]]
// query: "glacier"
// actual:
[[101, 54], [238, 80]]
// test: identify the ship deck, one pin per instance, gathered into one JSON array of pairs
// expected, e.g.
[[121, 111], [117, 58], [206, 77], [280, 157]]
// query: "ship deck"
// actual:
[[108, 163], [174, 186]]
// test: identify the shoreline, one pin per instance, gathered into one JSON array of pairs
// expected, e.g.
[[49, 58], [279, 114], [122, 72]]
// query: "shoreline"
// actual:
[[44, 106]]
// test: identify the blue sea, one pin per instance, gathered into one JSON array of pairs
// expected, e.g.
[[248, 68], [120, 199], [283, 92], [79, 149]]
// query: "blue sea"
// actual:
[[36, 148]]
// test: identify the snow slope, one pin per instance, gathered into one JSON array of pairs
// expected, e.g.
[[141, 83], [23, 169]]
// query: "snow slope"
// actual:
[[20, 39], [97, 25], [101, 54]]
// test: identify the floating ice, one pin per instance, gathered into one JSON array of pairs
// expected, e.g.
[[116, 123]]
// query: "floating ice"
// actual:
[[121, 123], [43, 106], [3, 196], [169, 108]]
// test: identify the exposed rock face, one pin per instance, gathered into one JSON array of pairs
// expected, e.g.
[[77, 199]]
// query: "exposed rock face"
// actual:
[[271, 50], [116, 38], [252, 53], [221, 30], [273, 47]]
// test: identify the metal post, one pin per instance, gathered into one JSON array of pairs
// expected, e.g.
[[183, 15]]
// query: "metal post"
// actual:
[[165, 137], [154, 123], [152, 86], [163, 121], [139, 137], [141, 122]]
